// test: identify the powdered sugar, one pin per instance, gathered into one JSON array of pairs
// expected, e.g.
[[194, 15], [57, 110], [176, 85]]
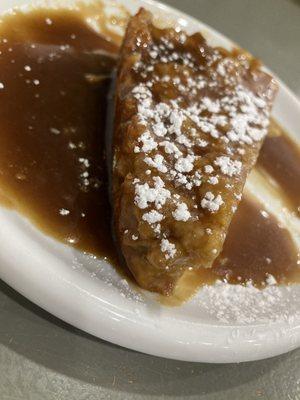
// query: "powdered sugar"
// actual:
[[158, 162], [228, 166], [64, 211], [211, 202], [152, 217], [146, 195], [185, 164], [148, 143], [238, 304], [181, 213], [168, 248], [213, 180]]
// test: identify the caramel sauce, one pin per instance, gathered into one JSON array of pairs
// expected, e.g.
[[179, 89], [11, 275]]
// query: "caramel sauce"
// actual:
[[52, 116], [55, 79], [280, 159], [256, 246]]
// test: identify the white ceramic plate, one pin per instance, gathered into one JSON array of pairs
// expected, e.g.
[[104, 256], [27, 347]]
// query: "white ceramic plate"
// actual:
[[87, 293]]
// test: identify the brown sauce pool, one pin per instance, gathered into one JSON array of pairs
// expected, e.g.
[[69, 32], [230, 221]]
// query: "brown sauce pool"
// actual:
[[280, 159], [52, 116], [256, 249], [55, 76], [256, 245]]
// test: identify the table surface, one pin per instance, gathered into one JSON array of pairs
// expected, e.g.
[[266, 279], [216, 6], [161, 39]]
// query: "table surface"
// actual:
[[42, 358]]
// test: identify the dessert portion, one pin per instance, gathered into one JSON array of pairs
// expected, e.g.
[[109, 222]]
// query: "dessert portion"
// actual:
[[189, 123], [55, 74]]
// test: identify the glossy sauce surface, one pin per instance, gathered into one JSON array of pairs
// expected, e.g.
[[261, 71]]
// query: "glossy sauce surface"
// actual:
[[256, 246], [55, 74], [52, 116], [280, 158]]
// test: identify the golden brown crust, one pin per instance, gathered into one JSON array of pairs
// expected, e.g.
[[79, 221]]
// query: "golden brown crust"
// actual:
[[190, 120]]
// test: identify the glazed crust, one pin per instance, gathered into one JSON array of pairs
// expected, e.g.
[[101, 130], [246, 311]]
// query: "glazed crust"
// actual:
[[189, 123]]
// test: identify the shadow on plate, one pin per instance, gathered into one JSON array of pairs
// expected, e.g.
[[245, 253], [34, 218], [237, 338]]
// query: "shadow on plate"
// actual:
[[33, 333]]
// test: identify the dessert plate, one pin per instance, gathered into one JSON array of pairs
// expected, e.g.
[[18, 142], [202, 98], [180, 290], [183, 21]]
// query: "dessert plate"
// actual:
[[222, 323]]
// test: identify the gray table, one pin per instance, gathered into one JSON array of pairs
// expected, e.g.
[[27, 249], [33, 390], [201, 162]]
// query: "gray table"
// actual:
[[42, 358]]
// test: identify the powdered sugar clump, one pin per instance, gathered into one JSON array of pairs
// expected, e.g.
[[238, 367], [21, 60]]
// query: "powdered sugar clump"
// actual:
[[168, 248], [211, 202], [152, 217], [146, 195], [64, 211], [181, 213], [228, 166], [185, 164]]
